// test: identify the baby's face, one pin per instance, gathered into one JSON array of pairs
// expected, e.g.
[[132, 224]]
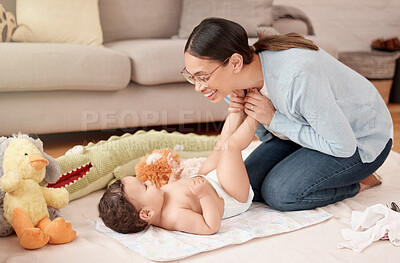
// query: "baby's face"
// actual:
[[143, 195]]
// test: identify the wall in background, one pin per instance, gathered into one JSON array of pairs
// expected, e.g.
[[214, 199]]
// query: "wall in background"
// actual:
[[351, 24]]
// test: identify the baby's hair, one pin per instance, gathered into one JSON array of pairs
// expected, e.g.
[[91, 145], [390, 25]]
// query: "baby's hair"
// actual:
[[118, 213]]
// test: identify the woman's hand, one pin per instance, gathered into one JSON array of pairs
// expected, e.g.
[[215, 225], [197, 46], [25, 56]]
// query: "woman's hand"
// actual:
[[259, 107]]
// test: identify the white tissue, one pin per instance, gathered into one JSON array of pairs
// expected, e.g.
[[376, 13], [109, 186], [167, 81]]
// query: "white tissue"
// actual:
[[371, 225]]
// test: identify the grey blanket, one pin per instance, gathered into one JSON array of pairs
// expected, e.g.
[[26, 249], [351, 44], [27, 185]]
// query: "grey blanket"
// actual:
[[282, 11]]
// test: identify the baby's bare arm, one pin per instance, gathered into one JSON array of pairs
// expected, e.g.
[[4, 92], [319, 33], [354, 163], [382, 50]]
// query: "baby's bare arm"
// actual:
[[191, 222], [207, 223], [176, 169]]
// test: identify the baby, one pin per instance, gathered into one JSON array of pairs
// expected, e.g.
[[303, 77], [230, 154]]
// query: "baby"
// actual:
[[193, 205]]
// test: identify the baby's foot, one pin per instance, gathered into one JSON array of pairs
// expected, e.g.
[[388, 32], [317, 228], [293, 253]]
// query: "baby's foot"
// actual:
[[253, 90], [241, 93], [176, 169]]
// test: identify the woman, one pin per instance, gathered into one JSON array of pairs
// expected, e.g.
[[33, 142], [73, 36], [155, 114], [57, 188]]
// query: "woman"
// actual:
[[324, 128]]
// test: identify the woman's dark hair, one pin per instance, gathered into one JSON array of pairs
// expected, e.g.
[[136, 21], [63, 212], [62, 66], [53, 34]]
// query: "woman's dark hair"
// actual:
[[118, 213], [217, 39]]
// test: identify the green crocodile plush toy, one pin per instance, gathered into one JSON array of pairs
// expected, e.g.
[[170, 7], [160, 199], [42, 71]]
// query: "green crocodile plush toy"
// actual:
[[86, 169]]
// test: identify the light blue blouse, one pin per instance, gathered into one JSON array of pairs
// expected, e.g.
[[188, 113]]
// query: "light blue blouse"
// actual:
[[324, 105]]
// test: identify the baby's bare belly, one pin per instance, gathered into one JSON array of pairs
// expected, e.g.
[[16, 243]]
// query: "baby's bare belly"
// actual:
[[180, 194]]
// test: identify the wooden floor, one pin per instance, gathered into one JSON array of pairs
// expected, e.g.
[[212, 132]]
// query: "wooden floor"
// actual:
[[57, 144], [394, 109]]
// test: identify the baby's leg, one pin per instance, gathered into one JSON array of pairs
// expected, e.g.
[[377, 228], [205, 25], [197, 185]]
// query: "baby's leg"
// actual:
[[231, 172], [232, 122]]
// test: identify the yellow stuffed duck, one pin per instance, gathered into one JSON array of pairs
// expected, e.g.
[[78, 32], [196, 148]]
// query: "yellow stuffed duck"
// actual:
[[25, 201]]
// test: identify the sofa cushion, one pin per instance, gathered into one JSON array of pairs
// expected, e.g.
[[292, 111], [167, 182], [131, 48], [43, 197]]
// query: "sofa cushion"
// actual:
[[160, 61], [122, 19], [252, 15], [46, 66], [154, 62], [136, 106], [58, 21]]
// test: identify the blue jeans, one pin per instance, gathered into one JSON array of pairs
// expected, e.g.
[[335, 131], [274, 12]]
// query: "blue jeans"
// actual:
[[289, 177]]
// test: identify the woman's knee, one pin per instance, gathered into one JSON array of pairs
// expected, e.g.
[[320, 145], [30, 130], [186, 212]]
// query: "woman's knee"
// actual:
[[280, 197]]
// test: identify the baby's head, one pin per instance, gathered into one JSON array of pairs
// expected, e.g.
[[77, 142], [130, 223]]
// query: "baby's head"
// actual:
[[129, 205]]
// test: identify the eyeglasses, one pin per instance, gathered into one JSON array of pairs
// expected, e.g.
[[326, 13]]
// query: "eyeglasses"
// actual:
[[203, 79]]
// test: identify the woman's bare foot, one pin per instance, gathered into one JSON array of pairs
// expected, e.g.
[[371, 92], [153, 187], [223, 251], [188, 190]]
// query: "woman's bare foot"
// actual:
[[370, 181]]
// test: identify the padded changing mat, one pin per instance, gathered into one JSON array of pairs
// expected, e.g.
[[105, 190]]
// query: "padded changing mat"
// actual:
[[259, 221]]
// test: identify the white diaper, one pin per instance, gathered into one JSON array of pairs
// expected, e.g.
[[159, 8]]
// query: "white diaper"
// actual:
[[232, 207]]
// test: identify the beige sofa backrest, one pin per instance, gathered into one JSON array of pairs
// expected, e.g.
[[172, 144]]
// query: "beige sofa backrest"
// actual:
[[132, 19]]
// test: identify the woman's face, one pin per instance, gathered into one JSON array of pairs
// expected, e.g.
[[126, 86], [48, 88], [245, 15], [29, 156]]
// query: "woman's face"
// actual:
[[220, 80]]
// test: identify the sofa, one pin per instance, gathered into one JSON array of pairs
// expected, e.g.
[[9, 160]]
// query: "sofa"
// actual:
[[131, 80]]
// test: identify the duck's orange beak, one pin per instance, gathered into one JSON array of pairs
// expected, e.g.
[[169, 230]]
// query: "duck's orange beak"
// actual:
[[37, 161]]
